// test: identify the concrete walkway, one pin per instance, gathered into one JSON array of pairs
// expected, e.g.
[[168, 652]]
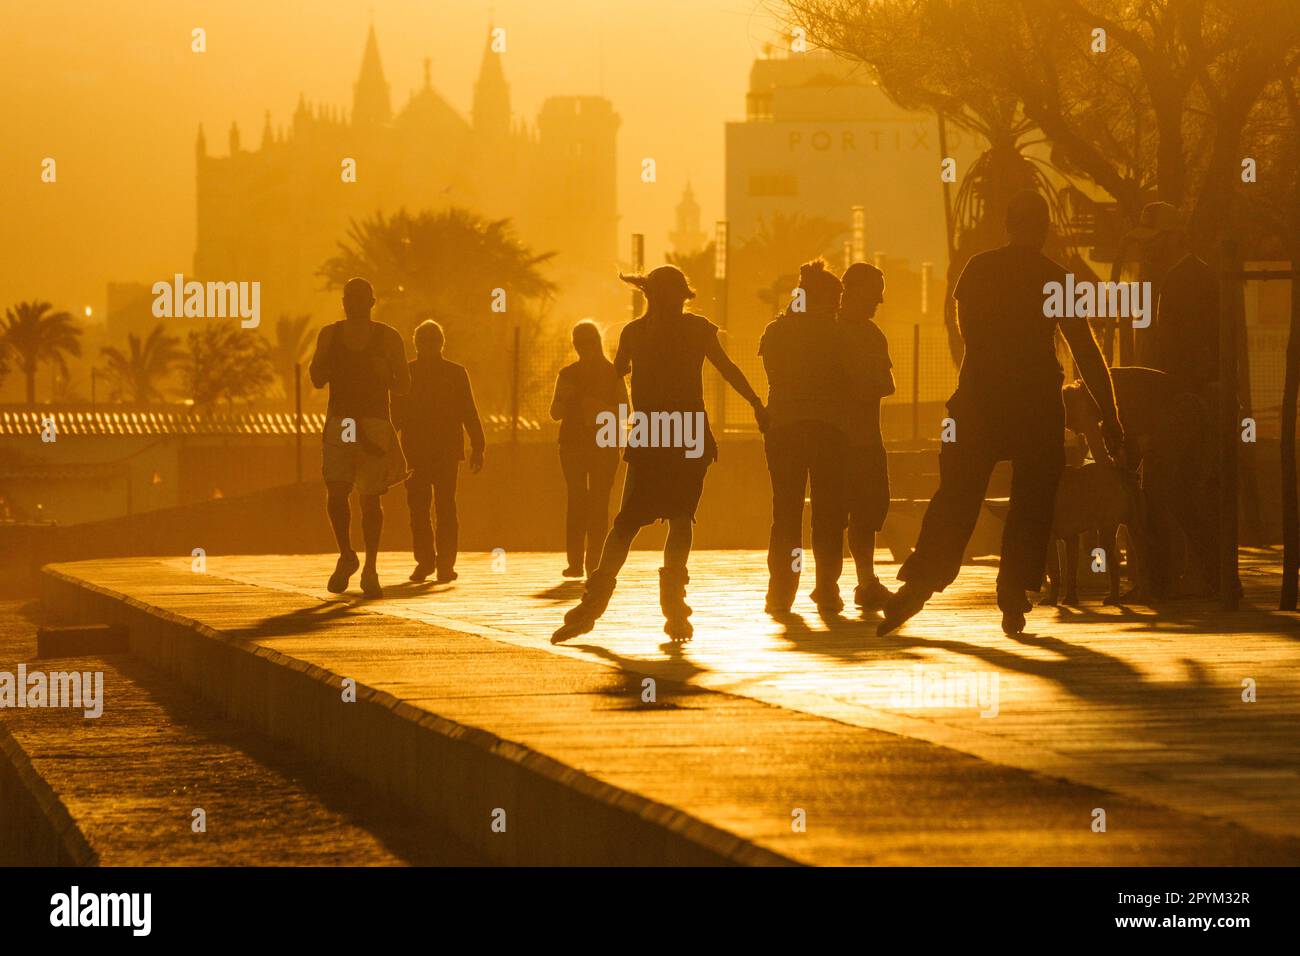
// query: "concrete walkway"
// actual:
[[757, 724]]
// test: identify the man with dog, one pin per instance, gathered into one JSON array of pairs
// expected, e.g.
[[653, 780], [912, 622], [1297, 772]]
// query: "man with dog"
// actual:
[[1007, 406], [1164, 430]]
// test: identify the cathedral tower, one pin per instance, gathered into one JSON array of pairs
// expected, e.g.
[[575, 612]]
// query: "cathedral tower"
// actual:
[[490, 113], [688, 238], [370, 103]]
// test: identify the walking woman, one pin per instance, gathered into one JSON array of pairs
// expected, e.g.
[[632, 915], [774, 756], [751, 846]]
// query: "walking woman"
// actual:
[[805, 354], [583, 390], [665, 351]]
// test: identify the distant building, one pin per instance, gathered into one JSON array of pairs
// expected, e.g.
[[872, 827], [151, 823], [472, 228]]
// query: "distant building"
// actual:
[[819, 137], [277, 212], [129, 311], [688, 238]]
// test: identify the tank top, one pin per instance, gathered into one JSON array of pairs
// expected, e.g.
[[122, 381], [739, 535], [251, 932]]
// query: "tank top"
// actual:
[[357, 390]]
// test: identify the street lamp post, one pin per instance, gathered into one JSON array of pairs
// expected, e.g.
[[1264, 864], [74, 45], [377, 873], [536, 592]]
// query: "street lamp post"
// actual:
[[638, 266], [720, 253]]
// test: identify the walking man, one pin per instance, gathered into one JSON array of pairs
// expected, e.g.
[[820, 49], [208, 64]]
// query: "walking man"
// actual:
[[867, 494], [806, 444], [434, 419], [361, 361]]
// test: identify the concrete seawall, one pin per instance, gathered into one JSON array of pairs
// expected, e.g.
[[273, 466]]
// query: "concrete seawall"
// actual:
[[436, 768], [35, 827]]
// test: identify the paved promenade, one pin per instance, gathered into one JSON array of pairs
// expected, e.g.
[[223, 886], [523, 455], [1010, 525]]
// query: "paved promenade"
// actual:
[[946, 743]]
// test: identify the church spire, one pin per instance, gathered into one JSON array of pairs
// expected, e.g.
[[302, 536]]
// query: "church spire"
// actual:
[[370, 104], [688, 238], [491, 110]]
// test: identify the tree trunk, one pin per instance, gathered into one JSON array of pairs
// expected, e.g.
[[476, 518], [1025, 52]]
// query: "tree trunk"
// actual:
[[1290, 391], [30, 372], [956, 346], [1252, 524]]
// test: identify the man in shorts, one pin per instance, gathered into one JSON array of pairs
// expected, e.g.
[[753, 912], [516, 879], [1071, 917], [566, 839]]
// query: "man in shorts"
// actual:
[[361, 361], [868, 469]]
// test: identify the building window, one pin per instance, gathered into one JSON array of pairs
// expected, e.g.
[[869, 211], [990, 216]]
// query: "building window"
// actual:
[[773, 184]]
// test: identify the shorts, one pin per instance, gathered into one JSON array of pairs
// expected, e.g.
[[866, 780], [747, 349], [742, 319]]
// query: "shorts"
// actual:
[[868, 486], [372, 460]]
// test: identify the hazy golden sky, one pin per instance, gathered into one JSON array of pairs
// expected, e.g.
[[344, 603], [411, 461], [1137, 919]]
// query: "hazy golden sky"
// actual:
[[111, 90]]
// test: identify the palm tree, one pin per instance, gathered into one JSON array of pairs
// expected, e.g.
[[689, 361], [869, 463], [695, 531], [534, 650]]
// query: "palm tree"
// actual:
[[35, 335], [138, 373], [293, 340], [911, 50], [698, 268], [449, 266], [4, 359], [774, 251], [787, 240], [227, 363], [444, 263]]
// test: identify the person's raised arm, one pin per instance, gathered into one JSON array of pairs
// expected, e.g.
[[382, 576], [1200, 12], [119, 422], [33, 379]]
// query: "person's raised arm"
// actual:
[[319, 369], [734, 377], [1096, 378]]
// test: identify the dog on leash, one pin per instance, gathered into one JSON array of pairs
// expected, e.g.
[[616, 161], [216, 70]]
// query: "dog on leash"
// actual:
[[1164, 437], [1096, 497]]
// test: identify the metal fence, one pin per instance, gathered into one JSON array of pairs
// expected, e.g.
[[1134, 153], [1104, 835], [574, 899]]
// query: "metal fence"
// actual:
[[919, 357], [923, 371], [1267, 370]]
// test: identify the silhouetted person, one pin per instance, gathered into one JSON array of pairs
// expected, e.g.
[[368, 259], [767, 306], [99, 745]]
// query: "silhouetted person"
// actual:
[[868, 465], [1187, 326], [434, 419], [804, 352], [1007, 406], [665, 351], [361, 361], [583, 390], [1183, 342], [1165, 434], [1184, 338]]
